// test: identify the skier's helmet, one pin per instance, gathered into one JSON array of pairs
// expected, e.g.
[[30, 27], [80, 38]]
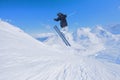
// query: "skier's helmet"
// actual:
[[59, 14]]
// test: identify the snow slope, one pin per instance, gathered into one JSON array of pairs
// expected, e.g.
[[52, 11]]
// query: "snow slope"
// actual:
[[24, 58]]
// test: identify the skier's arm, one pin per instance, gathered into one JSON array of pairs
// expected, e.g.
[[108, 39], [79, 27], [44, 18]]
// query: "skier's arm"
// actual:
[[57, 19]]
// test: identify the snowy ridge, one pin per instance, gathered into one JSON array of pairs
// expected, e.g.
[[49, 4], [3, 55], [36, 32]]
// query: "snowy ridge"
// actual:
[[11, 35], [24, 58]]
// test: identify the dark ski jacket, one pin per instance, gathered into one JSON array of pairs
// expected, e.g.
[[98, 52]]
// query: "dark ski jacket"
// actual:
[[62, 18]]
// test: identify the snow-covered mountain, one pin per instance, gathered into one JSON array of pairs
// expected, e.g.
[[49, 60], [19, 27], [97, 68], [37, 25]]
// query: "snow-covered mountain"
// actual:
[[24, 58], [97, 41], [113, 28]]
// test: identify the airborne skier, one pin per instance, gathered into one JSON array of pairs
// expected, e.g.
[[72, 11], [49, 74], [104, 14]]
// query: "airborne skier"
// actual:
[[63, 22]]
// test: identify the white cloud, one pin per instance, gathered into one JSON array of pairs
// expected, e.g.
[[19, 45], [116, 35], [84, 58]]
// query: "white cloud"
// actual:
[[43, 35]]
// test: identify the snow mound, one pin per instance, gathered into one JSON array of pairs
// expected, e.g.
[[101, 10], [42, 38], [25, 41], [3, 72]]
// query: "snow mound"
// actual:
[[12, 36], [24, 58]]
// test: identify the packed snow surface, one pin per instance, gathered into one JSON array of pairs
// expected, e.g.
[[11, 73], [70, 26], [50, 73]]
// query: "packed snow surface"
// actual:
[[94, 55]]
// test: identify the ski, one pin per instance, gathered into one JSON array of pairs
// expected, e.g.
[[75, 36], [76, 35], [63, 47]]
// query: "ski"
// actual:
[[62, 36]]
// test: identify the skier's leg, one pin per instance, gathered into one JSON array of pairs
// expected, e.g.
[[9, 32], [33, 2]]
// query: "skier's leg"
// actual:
[[64, 30]]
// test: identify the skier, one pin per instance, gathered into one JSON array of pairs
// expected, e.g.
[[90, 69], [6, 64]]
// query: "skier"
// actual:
[[63, 22]]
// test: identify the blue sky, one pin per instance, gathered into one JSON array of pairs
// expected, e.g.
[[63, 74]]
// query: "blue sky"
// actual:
[[36, 16]]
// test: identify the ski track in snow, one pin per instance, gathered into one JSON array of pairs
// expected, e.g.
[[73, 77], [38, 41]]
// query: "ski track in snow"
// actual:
[[24, 58]]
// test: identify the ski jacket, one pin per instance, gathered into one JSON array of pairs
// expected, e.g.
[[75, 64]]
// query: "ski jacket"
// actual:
[[62, 18]]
